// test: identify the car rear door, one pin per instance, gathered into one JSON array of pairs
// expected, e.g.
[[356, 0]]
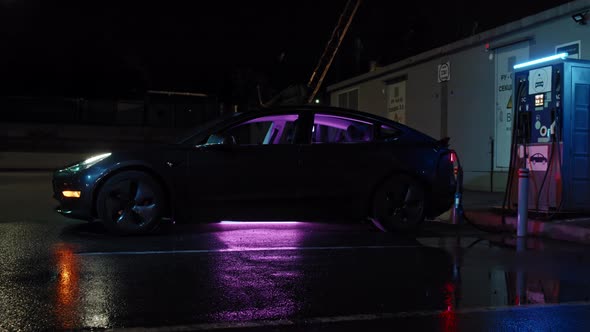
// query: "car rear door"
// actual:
[[341, 163]]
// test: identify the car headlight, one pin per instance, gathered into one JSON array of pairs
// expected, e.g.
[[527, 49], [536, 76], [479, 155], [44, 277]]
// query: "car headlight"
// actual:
[[86, 163]]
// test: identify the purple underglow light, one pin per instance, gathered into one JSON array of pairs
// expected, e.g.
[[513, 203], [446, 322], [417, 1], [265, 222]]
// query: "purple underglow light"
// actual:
[[261, 234], [238, 222]]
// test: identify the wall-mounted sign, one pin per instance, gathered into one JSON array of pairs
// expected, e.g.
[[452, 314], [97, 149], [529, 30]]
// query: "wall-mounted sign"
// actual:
[[444, 72], [573, 49], [505, 58], [396, 101]]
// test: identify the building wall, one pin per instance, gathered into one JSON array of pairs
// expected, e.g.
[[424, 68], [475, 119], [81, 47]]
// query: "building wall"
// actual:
[[423, 93], [470, 119], [464, 108]]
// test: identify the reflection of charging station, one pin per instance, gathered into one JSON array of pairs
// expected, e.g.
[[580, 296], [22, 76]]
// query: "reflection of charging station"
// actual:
[[551, 134]]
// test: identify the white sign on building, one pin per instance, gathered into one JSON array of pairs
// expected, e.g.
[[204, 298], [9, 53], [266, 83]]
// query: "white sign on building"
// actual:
[[396, 101], [444, 72], [505, 58], [573, 49]]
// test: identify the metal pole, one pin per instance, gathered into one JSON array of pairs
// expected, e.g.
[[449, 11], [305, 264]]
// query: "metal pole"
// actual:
[[492, 164], [457, 210], [523, 201], [520, 288], [520, 272]]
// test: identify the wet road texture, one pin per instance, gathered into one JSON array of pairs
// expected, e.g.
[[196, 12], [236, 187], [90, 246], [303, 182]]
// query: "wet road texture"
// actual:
[[60, 274]]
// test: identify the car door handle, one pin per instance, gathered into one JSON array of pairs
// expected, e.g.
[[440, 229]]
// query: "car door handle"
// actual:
[[174, 163]]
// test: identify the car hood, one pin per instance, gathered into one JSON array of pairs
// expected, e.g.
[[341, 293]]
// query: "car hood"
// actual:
[[143, 153]]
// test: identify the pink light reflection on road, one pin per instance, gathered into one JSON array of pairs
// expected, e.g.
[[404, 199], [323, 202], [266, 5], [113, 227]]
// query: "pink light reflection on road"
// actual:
[[259, 284]]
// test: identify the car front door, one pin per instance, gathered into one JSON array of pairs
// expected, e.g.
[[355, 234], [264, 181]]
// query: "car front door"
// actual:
[[247, 170]]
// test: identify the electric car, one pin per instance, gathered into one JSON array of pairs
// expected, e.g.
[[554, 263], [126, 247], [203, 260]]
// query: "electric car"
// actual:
[[284, 163]]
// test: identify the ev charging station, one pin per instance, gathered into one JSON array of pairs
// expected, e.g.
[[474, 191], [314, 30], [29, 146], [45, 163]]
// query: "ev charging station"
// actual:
[[551, 134]]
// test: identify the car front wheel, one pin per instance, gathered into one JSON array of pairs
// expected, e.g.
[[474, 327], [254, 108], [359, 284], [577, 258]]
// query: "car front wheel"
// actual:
[[399, 204], [130, 202]]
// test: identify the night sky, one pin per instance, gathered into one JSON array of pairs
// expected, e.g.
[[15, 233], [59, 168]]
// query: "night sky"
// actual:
[[122, 48]]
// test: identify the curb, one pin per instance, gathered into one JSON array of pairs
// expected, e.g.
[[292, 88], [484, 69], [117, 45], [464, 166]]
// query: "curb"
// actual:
[[12, 161], [557, 229]]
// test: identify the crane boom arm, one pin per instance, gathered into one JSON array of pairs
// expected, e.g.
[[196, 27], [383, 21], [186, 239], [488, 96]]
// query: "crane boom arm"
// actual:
[[325, 61]]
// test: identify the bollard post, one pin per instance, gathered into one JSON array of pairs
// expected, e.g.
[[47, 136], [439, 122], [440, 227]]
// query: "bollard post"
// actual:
[[523, 202]]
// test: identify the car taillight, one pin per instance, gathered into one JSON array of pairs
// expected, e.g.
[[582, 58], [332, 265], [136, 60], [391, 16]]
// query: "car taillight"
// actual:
[[447, 170], [455, 162]]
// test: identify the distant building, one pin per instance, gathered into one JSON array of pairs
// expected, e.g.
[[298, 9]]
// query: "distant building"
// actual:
[[463, 90], [53, 123]]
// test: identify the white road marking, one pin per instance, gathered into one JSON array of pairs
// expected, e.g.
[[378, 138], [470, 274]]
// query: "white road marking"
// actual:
[[338, 319], [223, 250]]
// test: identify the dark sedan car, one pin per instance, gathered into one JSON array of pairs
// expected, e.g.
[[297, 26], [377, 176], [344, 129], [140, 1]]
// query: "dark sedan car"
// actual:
[[286, 163]]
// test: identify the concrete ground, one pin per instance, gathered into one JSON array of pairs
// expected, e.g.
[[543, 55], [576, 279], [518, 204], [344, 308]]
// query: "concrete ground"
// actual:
[[484, 210]]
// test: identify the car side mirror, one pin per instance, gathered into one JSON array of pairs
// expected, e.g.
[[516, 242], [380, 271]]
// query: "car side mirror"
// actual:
[[221, 139]]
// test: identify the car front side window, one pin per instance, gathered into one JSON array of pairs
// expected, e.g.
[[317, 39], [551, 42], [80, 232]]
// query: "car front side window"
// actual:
[[266, 130]]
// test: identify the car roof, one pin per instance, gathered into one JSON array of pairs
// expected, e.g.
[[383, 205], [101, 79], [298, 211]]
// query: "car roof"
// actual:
[[319, 108], [339, 111]]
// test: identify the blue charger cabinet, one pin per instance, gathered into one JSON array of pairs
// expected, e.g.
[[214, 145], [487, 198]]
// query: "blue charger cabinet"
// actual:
[[552, 135]]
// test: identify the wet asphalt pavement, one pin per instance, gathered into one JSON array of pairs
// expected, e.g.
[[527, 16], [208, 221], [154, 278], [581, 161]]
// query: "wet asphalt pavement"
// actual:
[[60, 274]]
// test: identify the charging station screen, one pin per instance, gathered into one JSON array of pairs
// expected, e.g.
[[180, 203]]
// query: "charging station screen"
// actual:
[[539, 100]]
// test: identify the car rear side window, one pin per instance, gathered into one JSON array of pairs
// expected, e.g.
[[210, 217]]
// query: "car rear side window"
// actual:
[[329, 128]]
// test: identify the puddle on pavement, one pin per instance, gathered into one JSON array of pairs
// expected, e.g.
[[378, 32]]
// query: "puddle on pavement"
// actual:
[[495, 272], [511, 272]]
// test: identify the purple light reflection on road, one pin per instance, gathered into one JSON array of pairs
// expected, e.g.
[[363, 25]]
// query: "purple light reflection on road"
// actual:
[[259, 284]]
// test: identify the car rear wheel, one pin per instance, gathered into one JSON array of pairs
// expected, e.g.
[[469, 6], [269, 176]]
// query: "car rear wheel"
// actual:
[[399, 204], [131, 202]]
